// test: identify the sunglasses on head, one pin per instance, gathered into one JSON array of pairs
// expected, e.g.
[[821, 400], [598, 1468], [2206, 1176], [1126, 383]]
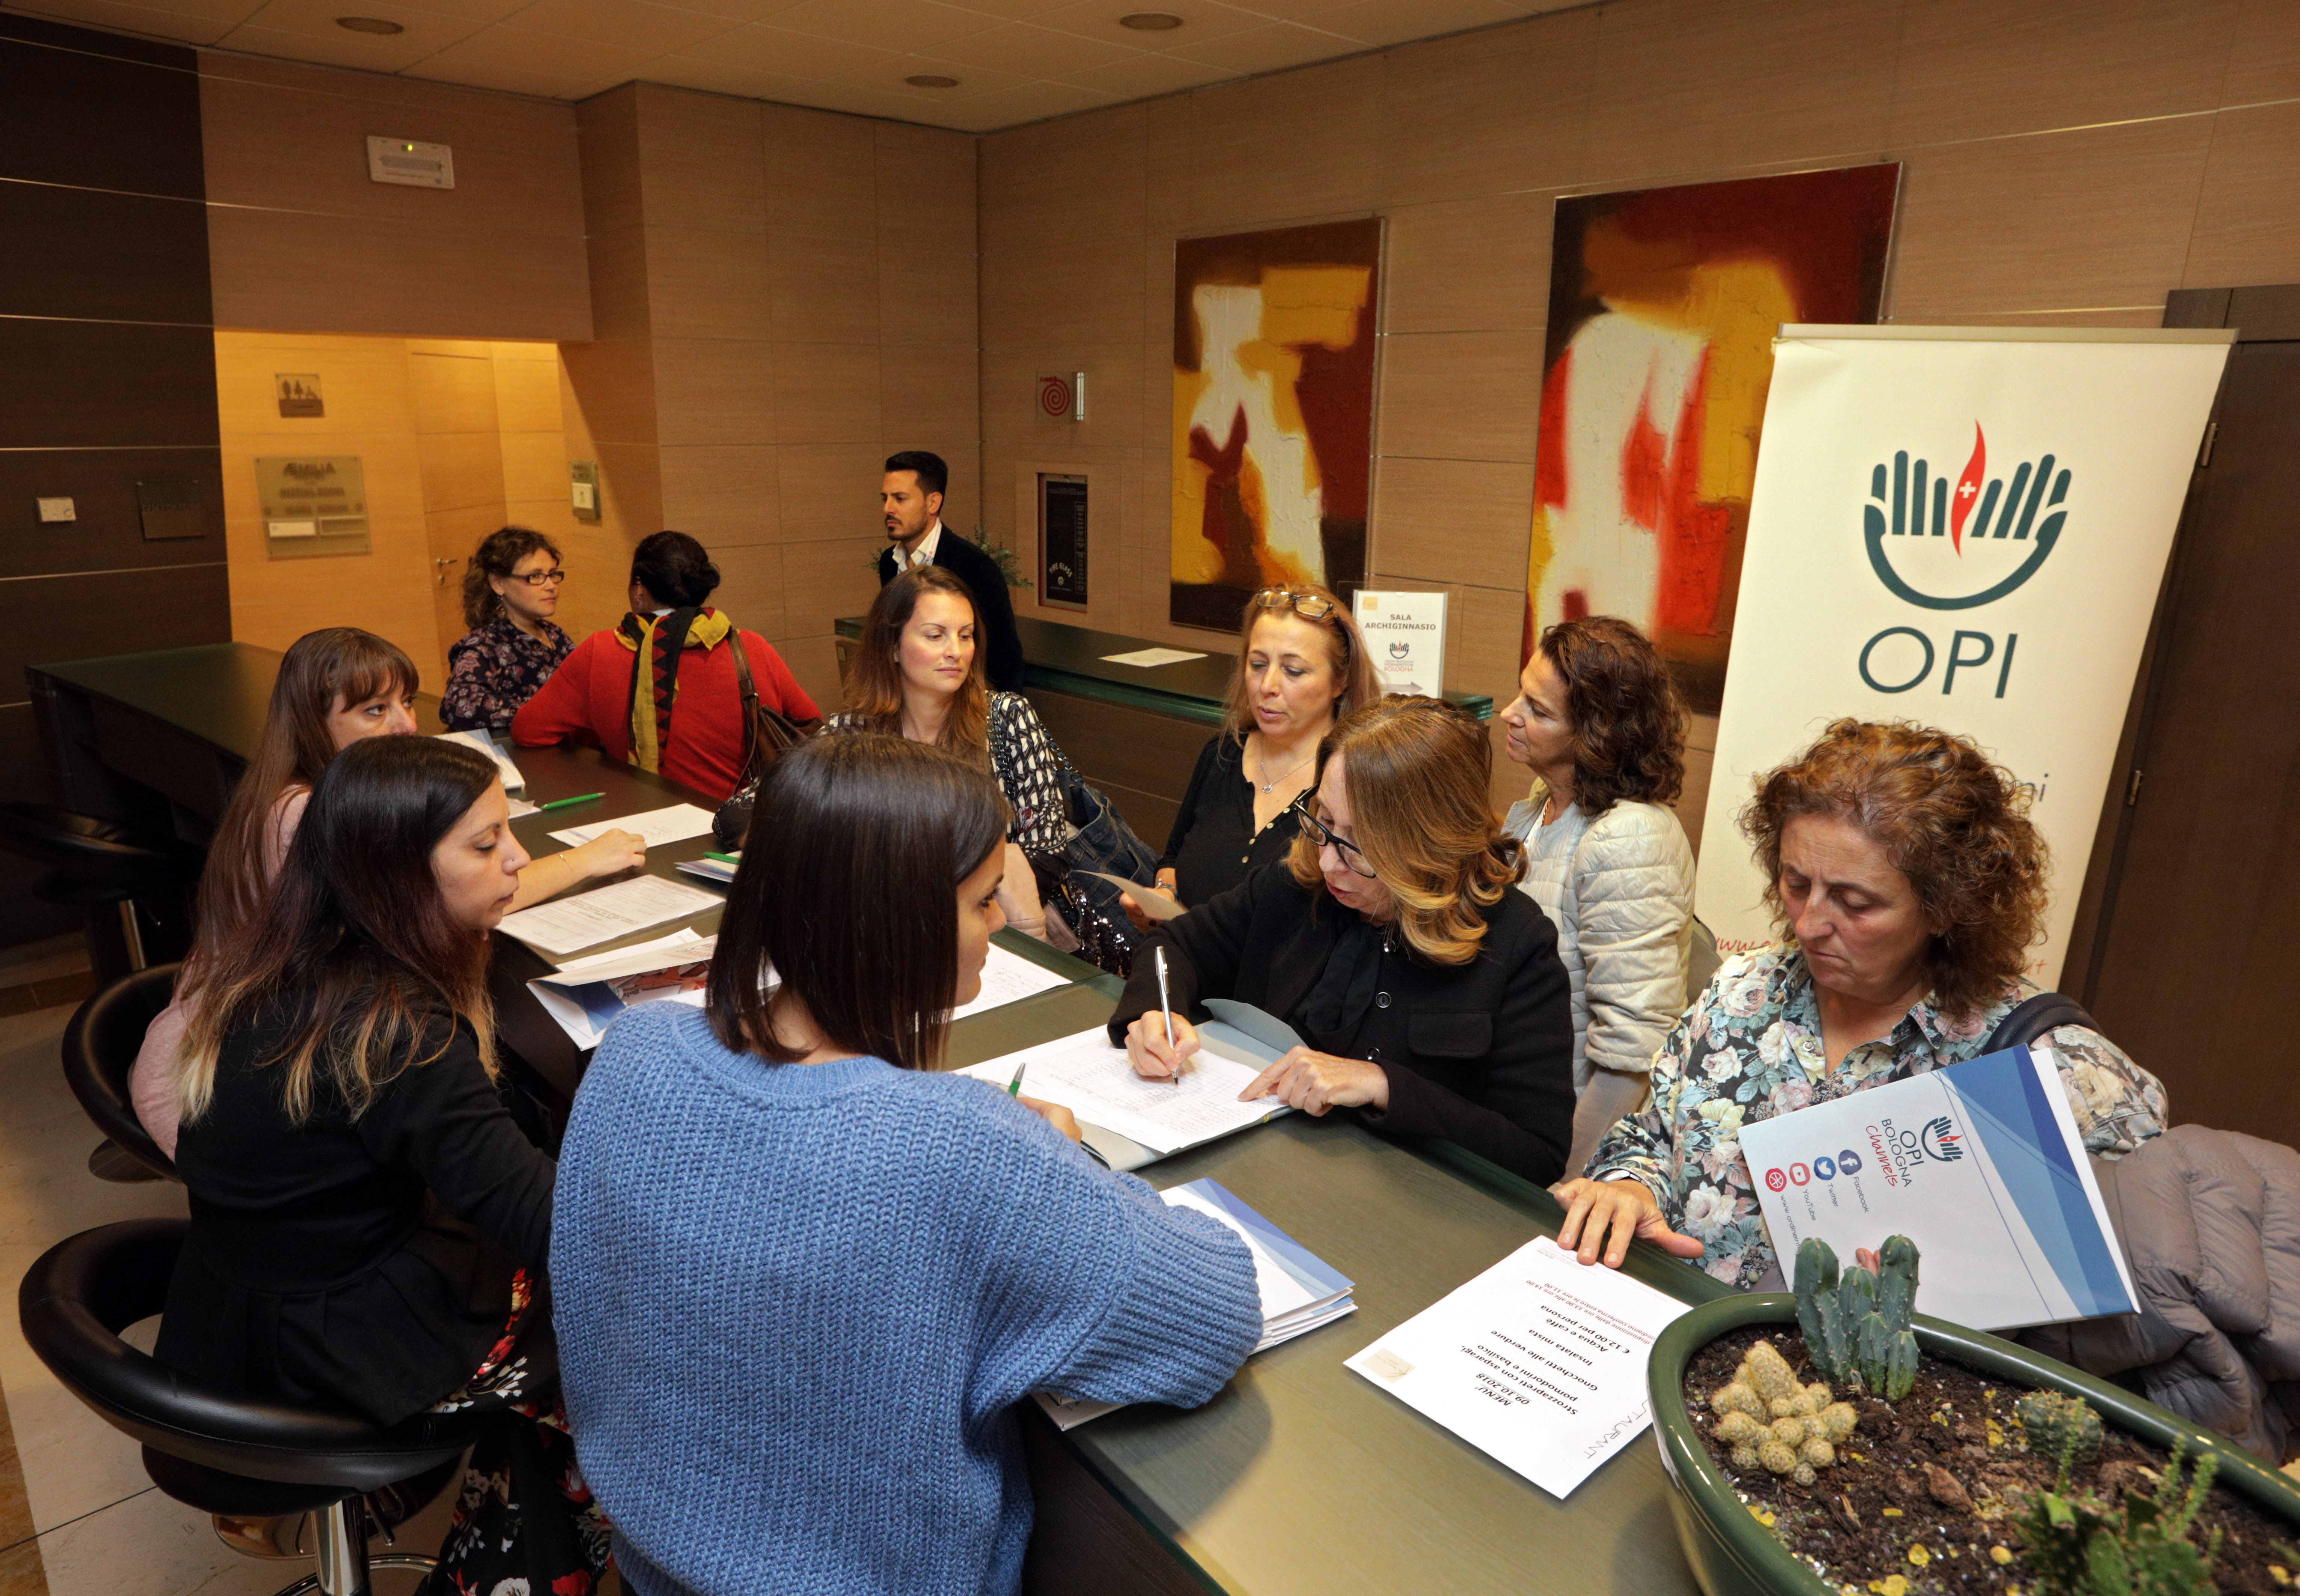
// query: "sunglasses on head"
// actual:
[[1309, 606]]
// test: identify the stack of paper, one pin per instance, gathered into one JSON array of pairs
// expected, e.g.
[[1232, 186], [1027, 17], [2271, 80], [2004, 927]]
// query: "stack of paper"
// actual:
[[1300, 1291], [1086, 1075], [568, 924], [709, 867], [656, 828], [585, 995], [1008, 978]]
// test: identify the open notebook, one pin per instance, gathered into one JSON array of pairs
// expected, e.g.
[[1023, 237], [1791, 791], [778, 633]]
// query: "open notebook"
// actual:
[[1300, 1291]]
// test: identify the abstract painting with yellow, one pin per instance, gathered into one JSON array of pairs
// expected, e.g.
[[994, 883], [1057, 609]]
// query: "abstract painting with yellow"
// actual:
[[1662, 306], [1273, 413]]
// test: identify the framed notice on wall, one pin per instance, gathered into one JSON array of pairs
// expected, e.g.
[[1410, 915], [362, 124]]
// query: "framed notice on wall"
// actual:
[[311, 505], [1062, 540]]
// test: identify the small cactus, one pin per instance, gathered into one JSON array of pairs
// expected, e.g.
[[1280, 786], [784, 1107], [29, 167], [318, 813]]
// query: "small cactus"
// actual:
[[1772, 1421], [1738, 1429], [1856, 1323], [1767, 1373], [1737, 1398], [2060, 1427]]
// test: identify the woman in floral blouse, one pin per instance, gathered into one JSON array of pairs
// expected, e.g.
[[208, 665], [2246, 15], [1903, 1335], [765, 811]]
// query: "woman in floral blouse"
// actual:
[[511, 591], [1911, 883]]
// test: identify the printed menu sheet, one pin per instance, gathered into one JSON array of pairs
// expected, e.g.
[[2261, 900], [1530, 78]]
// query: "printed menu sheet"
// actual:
[[567, 924], [1539, 1362]]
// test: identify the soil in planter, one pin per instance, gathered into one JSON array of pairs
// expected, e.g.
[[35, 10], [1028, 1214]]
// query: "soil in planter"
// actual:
[[1923, 1493]]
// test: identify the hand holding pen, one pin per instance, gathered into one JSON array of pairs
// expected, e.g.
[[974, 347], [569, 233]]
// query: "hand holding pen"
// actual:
[[1158, 1047]]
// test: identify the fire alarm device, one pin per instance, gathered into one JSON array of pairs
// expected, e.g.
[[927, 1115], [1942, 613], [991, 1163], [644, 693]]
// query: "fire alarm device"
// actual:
[[405, 162]]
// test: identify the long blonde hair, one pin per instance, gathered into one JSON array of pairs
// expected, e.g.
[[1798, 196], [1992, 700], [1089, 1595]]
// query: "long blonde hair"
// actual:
[[1418, 772], [1355, 684], [874, 692]]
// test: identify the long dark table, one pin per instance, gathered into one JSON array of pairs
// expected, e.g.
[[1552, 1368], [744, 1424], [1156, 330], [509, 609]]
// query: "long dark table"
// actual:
[[1300, 1477]]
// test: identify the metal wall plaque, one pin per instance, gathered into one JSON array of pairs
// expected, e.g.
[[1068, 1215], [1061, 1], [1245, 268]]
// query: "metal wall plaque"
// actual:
[[171, 510], [1062, 540], [311, 505], [298, 393]]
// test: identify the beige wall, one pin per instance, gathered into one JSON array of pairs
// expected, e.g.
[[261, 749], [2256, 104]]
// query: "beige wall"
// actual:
[[782, 298], [300, 238], [2067, 162]]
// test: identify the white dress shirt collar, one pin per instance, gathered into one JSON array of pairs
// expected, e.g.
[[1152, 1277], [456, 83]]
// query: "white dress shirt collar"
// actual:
[[924, 554]]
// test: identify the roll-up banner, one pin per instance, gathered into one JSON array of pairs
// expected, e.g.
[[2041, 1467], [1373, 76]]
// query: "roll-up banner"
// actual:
[[1965, 527]]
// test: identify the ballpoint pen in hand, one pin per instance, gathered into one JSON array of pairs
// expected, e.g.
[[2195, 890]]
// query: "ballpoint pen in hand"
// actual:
[[1166, 1011], [1014, 1086]]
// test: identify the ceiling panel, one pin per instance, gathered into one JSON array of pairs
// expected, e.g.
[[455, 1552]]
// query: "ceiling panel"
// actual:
[[1015, 61]]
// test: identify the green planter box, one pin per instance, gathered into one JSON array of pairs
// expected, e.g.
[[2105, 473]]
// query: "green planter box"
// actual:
[[1734, 1555]]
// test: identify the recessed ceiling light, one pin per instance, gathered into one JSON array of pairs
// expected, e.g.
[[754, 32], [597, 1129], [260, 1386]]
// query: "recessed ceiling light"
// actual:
[[369, 25], [930, 80], [1150, 21]]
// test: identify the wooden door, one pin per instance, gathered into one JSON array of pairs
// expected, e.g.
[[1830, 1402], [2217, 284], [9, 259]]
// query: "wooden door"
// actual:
[[2193, 964]]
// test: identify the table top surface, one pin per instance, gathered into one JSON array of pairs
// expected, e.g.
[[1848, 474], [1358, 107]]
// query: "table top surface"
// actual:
[[1072, 658], [1301, 1477]]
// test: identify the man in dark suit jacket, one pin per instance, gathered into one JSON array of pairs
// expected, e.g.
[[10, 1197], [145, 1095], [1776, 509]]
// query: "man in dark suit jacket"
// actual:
[[912, 495]]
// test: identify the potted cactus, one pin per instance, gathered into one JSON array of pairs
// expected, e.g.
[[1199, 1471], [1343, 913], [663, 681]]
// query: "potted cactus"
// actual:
[[1793, 1467]]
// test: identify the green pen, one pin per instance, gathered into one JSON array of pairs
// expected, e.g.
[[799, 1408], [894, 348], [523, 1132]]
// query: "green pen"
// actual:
[[732, 858], [565, 803], [1014, 1086]]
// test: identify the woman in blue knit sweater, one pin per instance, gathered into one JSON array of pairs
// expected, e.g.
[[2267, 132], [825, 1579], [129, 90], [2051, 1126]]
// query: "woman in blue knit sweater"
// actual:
[[801, 1278]]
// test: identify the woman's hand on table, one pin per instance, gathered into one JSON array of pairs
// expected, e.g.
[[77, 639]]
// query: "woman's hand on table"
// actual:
[[1146, 1048], [1623, 1207], [609, 854], [1053, 1114], [1316, 1082]]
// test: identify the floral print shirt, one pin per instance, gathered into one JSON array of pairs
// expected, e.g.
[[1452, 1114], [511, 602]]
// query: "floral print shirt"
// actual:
[[493, 670], [1750, 1048]]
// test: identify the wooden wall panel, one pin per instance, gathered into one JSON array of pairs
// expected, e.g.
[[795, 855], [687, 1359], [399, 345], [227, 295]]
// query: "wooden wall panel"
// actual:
[[108, 534], [104, 256], [88, 109]]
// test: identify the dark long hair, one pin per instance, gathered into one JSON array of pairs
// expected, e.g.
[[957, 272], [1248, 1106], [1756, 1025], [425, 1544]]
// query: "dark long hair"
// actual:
[[850, 894], [355, 933], [498, 553], [675, 568], [334, 665], [875, 689]]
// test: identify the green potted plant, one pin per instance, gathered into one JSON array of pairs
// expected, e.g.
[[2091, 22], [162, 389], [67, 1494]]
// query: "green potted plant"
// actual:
[[1730, 1545]]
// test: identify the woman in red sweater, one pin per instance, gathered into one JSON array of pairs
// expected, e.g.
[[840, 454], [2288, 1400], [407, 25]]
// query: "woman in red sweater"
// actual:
[[662, 690]]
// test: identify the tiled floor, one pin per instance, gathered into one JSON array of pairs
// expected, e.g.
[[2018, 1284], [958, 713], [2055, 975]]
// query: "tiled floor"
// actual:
[[78, 1517]]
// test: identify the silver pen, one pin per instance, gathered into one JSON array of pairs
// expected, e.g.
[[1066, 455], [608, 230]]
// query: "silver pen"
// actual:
[[1166, 1010]]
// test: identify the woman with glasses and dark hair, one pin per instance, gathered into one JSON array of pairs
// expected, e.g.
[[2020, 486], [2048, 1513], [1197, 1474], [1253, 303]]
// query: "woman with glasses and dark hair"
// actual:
[[511, 591], [668, 689], [800, 1374], [1430, 993], [1301, 665]]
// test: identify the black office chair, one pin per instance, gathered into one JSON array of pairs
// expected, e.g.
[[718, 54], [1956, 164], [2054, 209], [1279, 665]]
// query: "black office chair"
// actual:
[[92, 863], [100, 1047], [239, 1456]]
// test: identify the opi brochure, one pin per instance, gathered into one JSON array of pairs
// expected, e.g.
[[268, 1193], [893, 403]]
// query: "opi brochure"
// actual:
[[1980, 1164]]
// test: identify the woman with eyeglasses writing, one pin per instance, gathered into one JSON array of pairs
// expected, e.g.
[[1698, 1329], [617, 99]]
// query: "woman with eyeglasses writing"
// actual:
[[1301, 665], [510, 592], [1430, 993]]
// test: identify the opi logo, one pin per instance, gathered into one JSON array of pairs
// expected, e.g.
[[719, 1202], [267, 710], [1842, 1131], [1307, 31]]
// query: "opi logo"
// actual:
[[1940, 1141], [1398, 651], [1908, 500], [1775, 1180]]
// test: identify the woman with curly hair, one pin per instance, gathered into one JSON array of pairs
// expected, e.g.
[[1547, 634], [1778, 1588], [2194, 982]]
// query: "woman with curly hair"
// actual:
[[1902, 867], [1430, 993], [1602, 726], [510, 592]]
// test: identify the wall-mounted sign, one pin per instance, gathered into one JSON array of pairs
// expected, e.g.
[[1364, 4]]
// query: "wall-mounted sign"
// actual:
[[171, 509], [311, 505], [583, 489], [410, 162], [299, 393], [1405, 634], [1062, 540], [1061, 398]]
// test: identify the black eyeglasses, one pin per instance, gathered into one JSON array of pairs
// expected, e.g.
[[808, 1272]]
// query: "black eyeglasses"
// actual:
[[1309, 606], [538, 578], [1321, 834]]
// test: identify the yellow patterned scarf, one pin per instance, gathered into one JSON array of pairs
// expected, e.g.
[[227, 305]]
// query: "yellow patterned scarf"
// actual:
[[659, 641]]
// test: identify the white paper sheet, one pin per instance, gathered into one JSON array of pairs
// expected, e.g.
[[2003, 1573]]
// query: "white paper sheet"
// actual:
[[1539, 1362], [1158, 905], [512, 779], [686, 945], [1093, 1080], [1006, 978], [568, 924], [654, 828], [1151, 656]]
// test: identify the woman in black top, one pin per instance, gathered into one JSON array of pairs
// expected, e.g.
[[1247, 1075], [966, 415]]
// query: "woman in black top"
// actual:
[[1430, 993], [1301, 665], [369, 1224]]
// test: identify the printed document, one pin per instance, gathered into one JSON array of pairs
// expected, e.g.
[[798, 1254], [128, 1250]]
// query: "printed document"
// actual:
[[656, 828], [1007, 978], [1151, 656], [1539, 1362], [568, 924], [585, 995], [1300, 1291], [1980, 1164], [1086, 1075], [1157, 905]]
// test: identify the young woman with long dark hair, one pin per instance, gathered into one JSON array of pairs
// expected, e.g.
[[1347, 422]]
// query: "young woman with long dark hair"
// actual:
[[369, 1224], [336, 686], [799, 1374]]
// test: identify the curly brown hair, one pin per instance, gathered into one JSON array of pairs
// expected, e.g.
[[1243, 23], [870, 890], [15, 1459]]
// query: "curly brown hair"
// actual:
[[1628, 718], [1951, 821]]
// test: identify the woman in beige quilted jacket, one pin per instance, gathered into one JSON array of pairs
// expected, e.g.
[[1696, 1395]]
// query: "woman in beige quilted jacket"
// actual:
[[1602, 726]]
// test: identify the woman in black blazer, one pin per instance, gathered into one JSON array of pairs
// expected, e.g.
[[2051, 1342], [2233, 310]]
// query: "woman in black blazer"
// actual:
[[1430, 993]]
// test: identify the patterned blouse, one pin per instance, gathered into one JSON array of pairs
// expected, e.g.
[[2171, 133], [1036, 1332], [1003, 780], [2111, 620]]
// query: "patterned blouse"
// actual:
[[1026, 764], [1750, 1048], [494, 670]]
